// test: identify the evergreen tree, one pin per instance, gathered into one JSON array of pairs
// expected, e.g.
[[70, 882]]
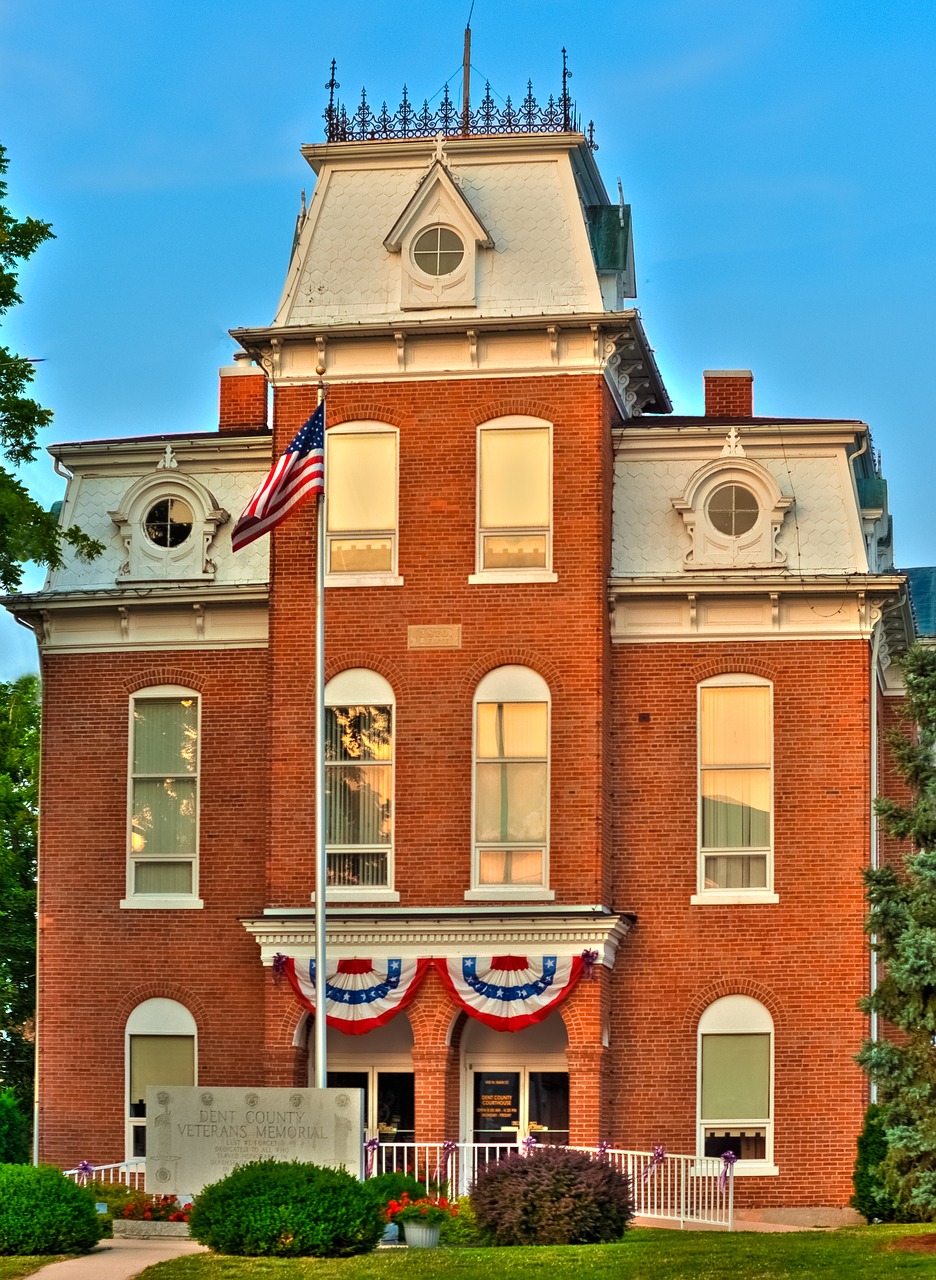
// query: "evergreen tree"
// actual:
[[902, 922], [27, 532]]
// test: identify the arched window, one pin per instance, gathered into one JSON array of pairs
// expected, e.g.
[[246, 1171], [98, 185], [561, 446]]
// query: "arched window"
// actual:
[[514, 504], [735, 1082], [511, 785], [162, 839], [735, 787], [359, 729], [160, 1050], [361, 464]]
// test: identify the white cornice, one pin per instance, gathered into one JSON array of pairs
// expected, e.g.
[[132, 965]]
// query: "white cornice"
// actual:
[[394, 150], [211, 448], [351, 935]]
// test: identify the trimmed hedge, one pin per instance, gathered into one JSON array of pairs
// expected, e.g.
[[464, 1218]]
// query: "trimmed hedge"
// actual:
[[385, 1187], [871, 1197], [269, 1208], [42, 1211], [552, 1196]]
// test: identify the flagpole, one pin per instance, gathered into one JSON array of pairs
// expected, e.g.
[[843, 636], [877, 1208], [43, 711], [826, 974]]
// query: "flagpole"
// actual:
[[321, 877]]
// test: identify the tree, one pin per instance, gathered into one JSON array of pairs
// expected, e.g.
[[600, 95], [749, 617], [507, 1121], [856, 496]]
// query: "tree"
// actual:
[[27, 532], [902, 922], [19, 802]]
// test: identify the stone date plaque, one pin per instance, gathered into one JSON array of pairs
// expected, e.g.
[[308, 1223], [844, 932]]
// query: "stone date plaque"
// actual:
[[195, 1135]]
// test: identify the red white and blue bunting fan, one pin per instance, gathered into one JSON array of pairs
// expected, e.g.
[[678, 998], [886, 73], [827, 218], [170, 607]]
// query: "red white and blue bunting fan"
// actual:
[[510, 992], [360, 994]]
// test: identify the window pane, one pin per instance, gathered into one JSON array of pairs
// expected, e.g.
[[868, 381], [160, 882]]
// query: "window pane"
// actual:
[[736, 871], [361, 481], [165, 735], [514, 477], [360, 555], [162, 877], [367, 870], [735, 725], [549, 1105], [512, 729], [735, 809], [510, 866], [163, 818], [749, 1143], [510, 802], [736, 1077], [358, 733], [157, 1060], [357, 804], [519, 551]]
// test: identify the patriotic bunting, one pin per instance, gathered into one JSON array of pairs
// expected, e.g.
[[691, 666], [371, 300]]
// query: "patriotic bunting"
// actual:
[[510, 992], [360, 994]]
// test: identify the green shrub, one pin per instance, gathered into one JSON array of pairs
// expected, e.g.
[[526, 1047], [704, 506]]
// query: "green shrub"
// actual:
[[42, 1211], [287, 1211], [871, 1197], [552, 1196], [385, 1187], [462, 1230], [14, 1130]]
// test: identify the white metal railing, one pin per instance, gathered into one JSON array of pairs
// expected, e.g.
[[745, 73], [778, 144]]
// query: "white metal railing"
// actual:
[[128, 1173], [689, 1190]]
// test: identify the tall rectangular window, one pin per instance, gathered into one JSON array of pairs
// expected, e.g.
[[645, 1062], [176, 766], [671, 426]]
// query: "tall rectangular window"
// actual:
[[155, 1060], [735, 783], [361, 502], [514, 498], [735, 1079], [358, 795], [164, 796], [511, 792]]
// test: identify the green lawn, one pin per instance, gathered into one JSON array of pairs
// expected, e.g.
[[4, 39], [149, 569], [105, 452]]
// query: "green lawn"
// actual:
[[13, 1268], [858, 1253]]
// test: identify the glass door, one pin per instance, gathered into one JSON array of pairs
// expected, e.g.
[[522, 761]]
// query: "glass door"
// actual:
[[509, 1105], [389, 1101]]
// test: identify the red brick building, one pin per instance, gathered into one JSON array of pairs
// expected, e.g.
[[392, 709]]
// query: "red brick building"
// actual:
[[602, 681]]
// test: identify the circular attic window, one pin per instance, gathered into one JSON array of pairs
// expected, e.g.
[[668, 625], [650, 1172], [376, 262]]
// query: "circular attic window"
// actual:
[[733, 510], [169, 522], [438, 251]]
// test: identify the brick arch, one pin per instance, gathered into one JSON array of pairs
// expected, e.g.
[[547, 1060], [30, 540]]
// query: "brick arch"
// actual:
[[370, 411], [523, 406], [732, 987], [432, 1014], [537, 662], [165, 675], [158, 989], [372, 662], [289, 1023], [733, 665]]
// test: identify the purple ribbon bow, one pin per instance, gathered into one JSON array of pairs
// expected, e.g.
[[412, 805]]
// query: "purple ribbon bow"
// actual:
[[279, 968], [85, 1171], [589, 964], [602, 1148], [370, 1147], [528, 1144], [656, 1159], [728, 1159]]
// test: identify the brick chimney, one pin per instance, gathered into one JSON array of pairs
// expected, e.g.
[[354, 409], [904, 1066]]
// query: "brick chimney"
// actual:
[[243, 396], [729, 393]]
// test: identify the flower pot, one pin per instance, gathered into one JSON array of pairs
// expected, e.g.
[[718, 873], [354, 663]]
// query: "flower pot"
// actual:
[[422, 1235]]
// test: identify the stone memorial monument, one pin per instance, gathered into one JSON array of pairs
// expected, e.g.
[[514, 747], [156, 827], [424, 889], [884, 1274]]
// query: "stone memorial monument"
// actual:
[[195, 1135]]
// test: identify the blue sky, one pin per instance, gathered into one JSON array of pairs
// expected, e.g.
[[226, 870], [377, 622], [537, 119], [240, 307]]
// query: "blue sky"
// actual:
[[779, 160]]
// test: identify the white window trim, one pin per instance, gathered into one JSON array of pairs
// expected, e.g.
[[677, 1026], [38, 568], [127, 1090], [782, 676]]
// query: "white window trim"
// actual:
[[510, 684], [359, 686], [738, 1015], [482, 576], [732, 897], [392, 577], [157, 901], [158, 1016]]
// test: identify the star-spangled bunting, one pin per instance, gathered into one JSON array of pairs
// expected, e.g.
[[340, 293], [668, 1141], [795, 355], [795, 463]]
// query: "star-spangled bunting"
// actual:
[[510, 992], [360, 995], [296, 475]]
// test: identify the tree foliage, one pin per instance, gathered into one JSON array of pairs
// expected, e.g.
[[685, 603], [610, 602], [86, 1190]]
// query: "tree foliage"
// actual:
[[902, 922], [27, 532], [19, 798]]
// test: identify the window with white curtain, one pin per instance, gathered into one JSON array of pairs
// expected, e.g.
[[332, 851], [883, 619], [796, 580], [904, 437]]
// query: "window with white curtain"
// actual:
[[514, 526], [160, 1051], [735, 784], [164, 777], [511, 780], [735, 1081], [361, 503], [359, 729]]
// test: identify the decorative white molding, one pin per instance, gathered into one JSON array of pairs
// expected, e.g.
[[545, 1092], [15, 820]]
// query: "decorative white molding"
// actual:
[[145, 560], [710, 548]]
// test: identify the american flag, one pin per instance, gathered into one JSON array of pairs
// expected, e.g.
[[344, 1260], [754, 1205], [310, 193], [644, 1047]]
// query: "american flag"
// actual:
[[295, 476]]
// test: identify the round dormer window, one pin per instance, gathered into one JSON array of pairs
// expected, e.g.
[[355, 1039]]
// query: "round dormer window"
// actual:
[[733, 510], [438, 251], [169, 522]]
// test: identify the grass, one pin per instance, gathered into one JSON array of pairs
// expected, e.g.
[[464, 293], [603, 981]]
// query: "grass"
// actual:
[[858, 1253], [13, 1268]]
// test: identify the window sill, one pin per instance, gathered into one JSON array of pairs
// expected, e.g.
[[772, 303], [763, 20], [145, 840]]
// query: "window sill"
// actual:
[[363, 580], [509, 893], [158, 902], [742, 1169], [494, 576], [359, 895], [733, 897]]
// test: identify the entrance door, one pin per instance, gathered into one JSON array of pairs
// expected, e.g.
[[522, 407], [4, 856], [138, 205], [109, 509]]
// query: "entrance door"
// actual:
[[511, 1104], [389, 1101]]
